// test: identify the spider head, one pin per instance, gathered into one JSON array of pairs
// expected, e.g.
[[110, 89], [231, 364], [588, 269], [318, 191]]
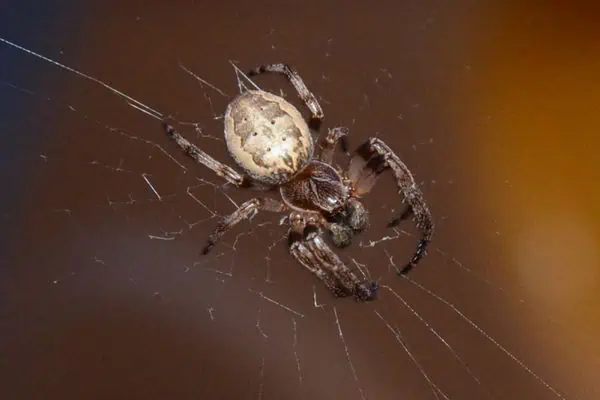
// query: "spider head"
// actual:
[[318, 187]]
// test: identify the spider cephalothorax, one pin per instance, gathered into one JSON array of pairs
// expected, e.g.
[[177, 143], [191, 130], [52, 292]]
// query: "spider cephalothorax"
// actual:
[[268, 138]]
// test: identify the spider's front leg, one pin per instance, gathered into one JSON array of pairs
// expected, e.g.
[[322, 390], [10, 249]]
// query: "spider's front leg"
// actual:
[[307, 97], [314, 254], [246, 211], [302, 254], [223, 170], [369, 161]]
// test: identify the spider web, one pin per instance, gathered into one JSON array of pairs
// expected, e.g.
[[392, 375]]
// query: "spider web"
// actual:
[[107, 291]]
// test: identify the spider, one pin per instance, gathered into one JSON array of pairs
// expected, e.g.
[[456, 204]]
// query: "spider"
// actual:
[[271, 142]]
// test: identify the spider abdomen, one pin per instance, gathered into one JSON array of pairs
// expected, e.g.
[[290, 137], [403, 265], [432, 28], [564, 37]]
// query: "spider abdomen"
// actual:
[[267, 136]]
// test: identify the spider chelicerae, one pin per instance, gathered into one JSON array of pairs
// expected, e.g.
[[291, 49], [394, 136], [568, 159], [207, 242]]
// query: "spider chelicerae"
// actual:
[[272, 143]]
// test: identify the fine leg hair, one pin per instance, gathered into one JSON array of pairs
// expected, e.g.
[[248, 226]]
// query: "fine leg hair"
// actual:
[[315, 255], [329, 143], [223, 170], [246, 211], [302, 254], [369, 161], [295, 79]]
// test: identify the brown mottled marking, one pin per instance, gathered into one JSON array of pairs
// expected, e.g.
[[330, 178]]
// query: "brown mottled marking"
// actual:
[[267, 136]]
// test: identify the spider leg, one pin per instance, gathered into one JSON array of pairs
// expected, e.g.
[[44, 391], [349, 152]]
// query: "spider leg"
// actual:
[[303, 255], [316, 256], [369, 161], [223, 170], [331, 140], [295, 79], [246, 211], [363, 290]]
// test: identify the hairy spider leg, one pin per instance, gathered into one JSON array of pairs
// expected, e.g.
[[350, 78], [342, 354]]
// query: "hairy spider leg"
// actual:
[[222, 170], [246, 211], [307, 97], [314, 254], [299, 250], [369, 161]]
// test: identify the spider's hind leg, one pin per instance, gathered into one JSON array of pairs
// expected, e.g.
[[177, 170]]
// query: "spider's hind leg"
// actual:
[[307, 97], [221, 169]]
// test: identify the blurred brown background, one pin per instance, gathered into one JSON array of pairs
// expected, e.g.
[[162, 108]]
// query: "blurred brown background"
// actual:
[[104, 293]]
